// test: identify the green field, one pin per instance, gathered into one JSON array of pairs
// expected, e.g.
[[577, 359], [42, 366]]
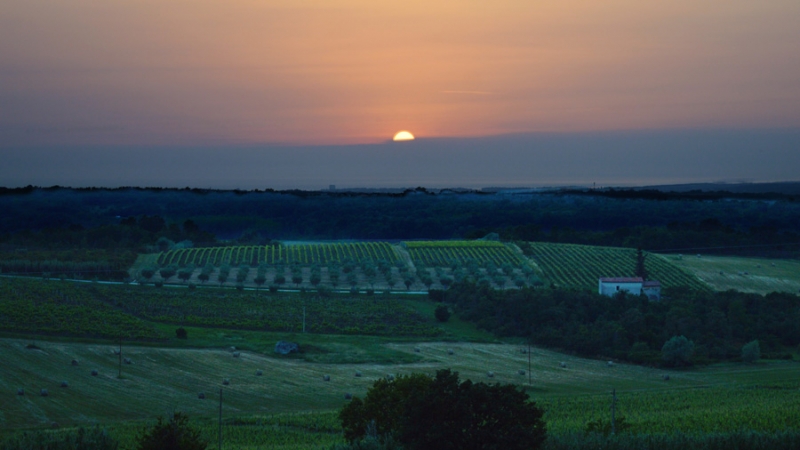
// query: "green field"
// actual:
[[743, 274], [580, 266], [162, 380]]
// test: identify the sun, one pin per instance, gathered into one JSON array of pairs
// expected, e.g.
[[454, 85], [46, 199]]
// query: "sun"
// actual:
[[403, 136]]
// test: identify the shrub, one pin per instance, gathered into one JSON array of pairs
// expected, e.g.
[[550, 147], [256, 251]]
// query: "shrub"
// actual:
[[751, 352], [677, 351], [442, 313], [181, 333], [176, 434]]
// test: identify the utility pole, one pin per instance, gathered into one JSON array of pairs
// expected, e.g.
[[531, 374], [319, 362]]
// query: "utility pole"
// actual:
[[119, 372], [614, 412], [219, 432], [304, 319]]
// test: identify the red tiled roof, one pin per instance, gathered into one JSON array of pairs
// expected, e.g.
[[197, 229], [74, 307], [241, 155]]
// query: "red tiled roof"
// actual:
[[651, 284], [622, 280]]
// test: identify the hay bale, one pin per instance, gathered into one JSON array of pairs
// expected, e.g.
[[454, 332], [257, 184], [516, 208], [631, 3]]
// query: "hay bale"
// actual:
[[523, 350], [116, 351], [235, 354], [232, 349], [259, 373], [357, 374], [416, 350], [226, 382], [610, 364], [490, 374], [201, 395], [326, 378], [126, 360], [94, 373], [665, 377], [389, 377], [284, 347], [521, 372], [20, 391], [64, 384], [449, 351], [562, 364], [44, 393], [348, 396], [74, 362]]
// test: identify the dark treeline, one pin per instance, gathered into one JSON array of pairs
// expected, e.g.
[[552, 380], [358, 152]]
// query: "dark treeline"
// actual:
[[630, 327], [589, 217]]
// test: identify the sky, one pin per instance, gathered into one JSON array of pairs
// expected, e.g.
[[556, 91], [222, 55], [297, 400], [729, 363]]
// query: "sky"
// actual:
[[321, 86]]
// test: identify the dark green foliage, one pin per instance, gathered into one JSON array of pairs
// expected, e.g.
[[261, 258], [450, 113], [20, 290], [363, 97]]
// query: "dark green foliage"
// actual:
[[749, 440], [176, 434], [751, 352], [677, 351], [80, 439], [181, 333], [630, 328], [443, 413], [442, 313], [605, 427]]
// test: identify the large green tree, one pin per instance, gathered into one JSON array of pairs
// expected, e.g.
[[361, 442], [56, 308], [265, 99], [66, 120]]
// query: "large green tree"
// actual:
[[444, 413]]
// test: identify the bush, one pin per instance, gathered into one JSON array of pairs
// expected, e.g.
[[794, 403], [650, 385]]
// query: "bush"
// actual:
[[751, 352], [181, 333], [442, 313], [677, 351], [94, 438], [176, 434]]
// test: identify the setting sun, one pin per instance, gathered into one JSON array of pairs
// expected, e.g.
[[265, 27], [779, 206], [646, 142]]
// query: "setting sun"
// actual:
[[403, 136]]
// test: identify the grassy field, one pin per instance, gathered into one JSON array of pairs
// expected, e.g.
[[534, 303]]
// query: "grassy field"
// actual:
[[743, 274], [162, 380]]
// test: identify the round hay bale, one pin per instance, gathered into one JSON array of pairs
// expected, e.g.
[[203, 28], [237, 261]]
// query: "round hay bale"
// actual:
[[226, 382], [235, 354], [64, 384], [232, 349], [348, 396], [94, 373], [521, 372], [201, 395], [116, 351], [562, 364], [389, 377], [127, 361], [449, 351], [74, 362], [490, 374], [20, 391], [523, 350], [357, 374], [665, 377], [610, 364], [326, 378], [44, 393], [259, 373], [416, 350], [54, 425]]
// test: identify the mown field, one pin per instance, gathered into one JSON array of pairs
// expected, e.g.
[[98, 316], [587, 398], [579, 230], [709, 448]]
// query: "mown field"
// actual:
[[757, 275], [580, 266], [162, 380]]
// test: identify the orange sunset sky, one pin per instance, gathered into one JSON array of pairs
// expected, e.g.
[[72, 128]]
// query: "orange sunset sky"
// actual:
[[310, 72]]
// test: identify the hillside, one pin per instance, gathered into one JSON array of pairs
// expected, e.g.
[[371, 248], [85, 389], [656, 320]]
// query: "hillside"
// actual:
[[756, 275], [580, 266]]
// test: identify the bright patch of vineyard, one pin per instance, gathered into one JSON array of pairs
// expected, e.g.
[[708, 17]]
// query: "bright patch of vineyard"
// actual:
[[446, 253], [580, 266], [303, 254]]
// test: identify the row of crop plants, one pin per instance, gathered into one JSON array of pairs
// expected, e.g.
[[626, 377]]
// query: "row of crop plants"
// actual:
[[306, 254], [580, 266]]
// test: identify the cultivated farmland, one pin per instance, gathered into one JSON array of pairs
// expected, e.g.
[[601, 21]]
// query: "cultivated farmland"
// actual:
[[580, 266], [757, 275]]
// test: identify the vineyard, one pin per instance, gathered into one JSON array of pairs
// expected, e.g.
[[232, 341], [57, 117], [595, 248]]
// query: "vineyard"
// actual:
[[580, 266], [303, 254], [446, 253]]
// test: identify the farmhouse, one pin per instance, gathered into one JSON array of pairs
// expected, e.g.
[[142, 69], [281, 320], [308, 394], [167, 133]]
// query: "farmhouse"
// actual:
[[633, 285]]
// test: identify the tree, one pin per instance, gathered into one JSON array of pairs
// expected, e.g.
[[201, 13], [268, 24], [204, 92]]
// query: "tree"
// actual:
[[640, 269], [176, 434], [751, 352], [181, 333], [677, 351], [443, 413], [442, 313]]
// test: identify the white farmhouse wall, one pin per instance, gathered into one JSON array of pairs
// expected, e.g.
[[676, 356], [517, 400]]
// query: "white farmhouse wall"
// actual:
[[611, 289]]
